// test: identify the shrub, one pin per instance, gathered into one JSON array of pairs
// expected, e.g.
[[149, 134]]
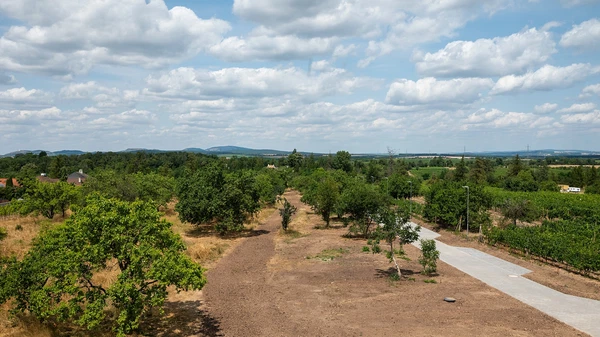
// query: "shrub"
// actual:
[[429, 256], [286, 213]]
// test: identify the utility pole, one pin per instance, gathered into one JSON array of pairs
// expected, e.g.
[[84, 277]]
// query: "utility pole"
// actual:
[[467, 187], [410, 198]]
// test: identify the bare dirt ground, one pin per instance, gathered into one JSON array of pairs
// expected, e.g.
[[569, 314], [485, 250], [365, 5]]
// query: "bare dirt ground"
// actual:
[[314, 282]]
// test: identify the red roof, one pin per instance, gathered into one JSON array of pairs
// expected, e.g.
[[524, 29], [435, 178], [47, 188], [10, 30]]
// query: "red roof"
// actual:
[[14, 181]]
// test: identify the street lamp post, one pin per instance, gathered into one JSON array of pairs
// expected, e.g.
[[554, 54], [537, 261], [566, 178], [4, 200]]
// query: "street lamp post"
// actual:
[[467, 187], [410, 198]]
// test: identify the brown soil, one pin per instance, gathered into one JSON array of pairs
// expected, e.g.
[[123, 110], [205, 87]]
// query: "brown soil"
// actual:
[[314, 282], [550, 276]]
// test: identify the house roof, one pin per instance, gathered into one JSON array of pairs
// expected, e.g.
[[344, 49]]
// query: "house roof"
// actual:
[[3, 182]]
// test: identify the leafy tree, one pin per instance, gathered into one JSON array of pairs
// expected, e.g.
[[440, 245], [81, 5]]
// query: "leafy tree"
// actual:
[[154, 187], [9, 183], [56, 279], [515, 209], [362, 202], [394, 225], [47, 198], [446, 204], [593, 189], [481, 172], [327, 198], [286, 213], [550, 186], [399, 186], [294, 160], [460, 173], [112, 184], [210, 195], [523, 182], [515, 167], [342, 161], [429, 256]]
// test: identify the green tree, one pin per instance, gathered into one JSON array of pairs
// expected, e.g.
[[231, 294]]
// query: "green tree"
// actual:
[[429, 256], [154, 188], [286, 213], [393, 226], [210, 195], [362, 202], [48, 198], [461, 171], [294, 160], [518, 209], [112, 184], [56, 279], [399, 186], [515, 167], [342, 161], [327, 198]]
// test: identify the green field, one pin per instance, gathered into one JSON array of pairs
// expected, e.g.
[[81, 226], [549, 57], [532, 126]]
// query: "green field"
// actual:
[[421, 171]]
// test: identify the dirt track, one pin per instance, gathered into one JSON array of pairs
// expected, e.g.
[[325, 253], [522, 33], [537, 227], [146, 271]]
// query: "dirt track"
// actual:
[[271, 285]]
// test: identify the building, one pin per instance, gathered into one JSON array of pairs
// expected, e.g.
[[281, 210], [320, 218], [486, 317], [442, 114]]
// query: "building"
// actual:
[[574, 190], [271, 166], [3, 182], [77, 178], [43, 178]]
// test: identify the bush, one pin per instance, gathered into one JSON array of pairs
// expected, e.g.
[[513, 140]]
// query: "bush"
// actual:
[[3, 234], [286, 213], [429, 256]]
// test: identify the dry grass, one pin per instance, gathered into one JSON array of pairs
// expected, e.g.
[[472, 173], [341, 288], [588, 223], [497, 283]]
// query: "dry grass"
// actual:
[[21, 232]]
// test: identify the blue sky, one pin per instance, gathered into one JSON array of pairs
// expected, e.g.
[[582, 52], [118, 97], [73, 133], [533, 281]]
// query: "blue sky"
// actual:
[[316, 75]]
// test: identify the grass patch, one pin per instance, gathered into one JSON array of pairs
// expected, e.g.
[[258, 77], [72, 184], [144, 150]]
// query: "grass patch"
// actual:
[[366, 249], [430, 281], [291, 234], [329, 254]]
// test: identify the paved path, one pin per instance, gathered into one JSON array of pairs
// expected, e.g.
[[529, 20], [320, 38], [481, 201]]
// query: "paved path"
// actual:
[[581, 313]]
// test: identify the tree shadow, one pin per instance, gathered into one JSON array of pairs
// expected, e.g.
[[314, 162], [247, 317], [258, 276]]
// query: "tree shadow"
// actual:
[[181, 318], [387, 273], [207, 230]]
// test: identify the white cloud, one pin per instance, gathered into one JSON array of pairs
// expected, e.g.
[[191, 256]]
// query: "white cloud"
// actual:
[[431, 91], [488, 57], [387, 24], [69, 37], [545, 108], [582, 118], [585, 36], [23, 97], [497, 119], [590, 90], [29, 117], [236, 49], [544, 79], [577, 108], [201, 84]]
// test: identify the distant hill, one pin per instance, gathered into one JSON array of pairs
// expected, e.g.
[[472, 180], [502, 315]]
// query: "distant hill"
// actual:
[[244, 151]]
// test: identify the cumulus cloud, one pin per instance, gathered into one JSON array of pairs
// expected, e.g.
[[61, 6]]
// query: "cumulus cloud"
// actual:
[[577, 108], [582, 118], [29, 117], [590, 90], [585, 36], [23, 97], [432, 91], [201, 84], [544, 79], [488, 57], [387, 24], [498, 119], [288, 47], [69, 37], [545, 108]]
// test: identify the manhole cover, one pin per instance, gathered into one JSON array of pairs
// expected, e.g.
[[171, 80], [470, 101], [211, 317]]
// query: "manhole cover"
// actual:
[[450, 299]]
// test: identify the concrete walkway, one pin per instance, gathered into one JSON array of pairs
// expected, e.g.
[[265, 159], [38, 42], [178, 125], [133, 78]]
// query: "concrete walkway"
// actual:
[[581, 313]]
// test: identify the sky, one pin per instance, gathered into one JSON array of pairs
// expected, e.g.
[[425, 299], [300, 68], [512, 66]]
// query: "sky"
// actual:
[[316, 75]]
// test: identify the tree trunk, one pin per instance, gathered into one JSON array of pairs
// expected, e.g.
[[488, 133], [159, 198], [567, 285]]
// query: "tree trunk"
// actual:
[[394, 259]]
